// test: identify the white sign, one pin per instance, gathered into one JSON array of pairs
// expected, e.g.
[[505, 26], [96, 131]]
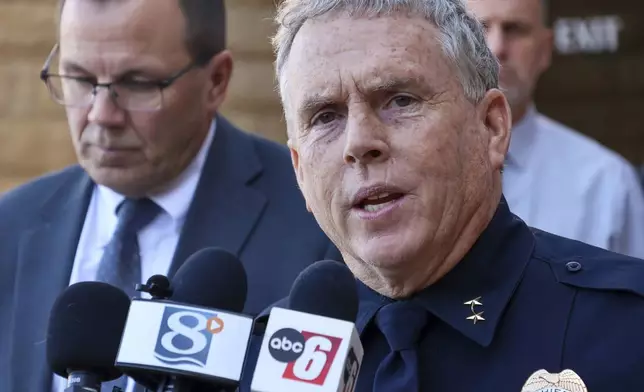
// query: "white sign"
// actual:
[[303, 352], [180, 339], [588, 35]]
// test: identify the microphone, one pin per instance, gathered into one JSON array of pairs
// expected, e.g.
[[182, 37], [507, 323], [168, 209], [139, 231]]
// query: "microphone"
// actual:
[[158, 286], [83, 334], [314, 345], [197, 340]]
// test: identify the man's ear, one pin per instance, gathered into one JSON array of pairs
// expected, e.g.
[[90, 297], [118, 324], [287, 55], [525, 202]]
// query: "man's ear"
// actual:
[[220, 70], [295, 159], [495, 114]]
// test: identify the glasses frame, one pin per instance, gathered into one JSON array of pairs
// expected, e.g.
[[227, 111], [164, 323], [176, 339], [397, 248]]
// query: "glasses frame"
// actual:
[[160, 84]]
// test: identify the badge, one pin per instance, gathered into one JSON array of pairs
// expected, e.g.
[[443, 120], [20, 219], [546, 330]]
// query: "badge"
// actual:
[[566, 381]]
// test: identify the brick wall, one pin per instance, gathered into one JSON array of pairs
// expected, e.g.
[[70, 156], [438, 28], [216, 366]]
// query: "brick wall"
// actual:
[[33, 130], [601, 94]]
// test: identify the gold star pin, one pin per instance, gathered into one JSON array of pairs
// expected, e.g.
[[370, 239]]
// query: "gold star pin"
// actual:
[[476, 316]]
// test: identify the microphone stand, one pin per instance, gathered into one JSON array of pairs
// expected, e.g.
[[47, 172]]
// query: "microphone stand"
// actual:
[[179, 384], [174, 384]]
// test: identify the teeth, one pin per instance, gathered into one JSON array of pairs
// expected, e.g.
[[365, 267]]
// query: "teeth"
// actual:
[[376, 207], [380, 196]]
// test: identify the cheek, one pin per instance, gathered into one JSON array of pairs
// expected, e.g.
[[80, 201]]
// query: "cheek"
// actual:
[[316, 174], [149, 127], [163, 131], [322, 176], [77, 120], [431, 149], [526, 59]]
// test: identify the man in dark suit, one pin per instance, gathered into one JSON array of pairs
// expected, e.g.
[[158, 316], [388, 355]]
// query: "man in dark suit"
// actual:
[[394, 113], [142, 81]]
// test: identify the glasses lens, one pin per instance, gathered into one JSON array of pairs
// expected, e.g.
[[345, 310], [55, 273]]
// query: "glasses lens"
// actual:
[[70, 91], [80, 93], [138, 96]]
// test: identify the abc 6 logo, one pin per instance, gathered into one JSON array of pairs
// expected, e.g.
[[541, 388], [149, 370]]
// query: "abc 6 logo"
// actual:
[[351, 370], [308, 355]]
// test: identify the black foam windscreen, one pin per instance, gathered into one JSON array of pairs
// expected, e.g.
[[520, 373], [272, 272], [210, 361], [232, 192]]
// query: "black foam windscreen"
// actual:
[[213, 278], [85, 327], [326, 288], [160, 281]]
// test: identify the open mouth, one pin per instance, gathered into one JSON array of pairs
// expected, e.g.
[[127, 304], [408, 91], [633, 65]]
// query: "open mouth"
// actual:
[[378, 202]]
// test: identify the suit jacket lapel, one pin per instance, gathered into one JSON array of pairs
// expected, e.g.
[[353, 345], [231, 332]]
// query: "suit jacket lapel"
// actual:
[[225, 208], [45, 262]]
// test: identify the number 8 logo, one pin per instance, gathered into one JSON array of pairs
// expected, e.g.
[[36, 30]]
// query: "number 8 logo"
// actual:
[[177, 328]]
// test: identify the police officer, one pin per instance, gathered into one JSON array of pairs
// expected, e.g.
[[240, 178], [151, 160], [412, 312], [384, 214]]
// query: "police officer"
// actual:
[[398, 134]]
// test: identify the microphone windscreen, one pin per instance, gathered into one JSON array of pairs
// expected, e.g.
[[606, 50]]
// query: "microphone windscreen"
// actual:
[[326, 288], [212, 278], [160, 281], [85, 327]]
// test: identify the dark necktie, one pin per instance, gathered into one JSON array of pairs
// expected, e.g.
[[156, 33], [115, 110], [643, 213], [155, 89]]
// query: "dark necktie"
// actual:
[[120, 265], [402, 324]]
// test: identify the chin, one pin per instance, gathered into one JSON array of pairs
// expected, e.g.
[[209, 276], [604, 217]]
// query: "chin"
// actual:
[[390, 251], [121, 181]]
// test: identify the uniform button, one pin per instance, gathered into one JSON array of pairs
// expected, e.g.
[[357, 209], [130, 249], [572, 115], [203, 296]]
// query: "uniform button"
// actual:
[[573, 266]]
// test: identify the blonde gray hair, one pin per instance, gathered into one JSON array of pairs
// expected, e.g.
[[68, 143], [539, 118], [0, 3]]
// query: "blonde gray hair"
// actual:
[[461, 35]]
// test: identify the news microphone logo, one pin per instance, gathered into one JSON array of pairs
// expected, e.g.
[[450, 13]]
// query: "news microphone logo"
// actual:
[[351, 370], [309, 355], [185, 336]]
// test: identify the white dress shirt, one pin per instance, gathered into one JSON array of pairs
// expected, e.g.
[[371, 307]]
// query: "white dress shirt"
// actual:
[[566, 183], [157, 241]]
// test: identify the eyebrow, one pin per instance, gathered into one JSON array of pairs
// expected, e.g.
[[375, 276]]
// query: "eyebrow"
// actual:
[[511, 22], [70, 66], [315, 101], [393, 84]]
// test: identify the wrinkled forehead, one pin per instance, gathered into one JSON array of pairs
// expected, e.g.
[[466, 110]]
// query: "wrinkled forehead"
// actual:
[[342, 55]]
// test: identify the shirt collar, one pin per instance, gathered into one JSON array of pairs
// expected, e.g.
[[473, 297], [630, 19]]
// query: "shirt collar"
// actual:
[[522, 139], [176, 200], [489, 274]]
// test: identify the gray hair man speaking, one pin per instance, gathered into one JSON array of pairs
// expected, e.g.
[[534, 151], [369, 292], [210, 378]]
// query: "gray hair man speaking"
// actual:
[[398, 134]]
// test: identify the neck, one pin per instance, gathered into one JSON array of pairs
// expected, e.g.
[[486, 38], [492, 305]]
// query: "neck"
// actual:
[[519, 112], [425, 271]]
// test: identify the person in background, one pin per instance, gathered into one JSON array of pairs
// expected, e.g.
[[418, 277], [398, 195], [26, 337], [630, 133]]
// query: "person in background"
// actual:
[[160, 175], [556, 178], [398, 134]]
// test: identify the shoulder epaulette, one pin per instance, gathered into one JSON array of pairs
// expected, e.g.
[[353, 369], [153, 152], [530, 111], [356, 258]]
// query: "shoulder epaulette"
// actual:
[[605, 271]]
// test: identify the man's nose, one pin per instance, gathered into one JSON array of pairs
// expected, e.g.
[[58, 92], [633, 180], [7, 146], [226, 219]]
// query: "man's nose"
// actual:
[[366, 140], [104, 109]]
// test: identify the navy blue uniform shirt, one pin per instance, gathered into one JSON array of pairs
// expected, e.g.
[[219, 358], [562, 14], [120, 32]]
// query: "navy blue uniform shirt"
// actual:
[[547, 303]]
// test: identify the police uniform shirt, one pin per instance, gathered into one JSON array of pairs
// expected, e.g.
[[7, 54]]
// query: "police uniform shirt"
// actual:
[[543, 302]]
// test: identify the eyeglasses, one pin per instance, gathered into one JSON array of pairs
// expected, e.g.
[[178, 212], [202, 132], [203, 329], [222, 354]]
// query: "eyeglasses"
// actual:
[[76, 91]]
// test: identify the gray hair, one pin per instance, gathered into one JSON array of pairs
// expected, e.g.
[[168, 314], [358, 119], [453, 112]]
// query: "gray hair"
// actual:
[[462, 36]]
